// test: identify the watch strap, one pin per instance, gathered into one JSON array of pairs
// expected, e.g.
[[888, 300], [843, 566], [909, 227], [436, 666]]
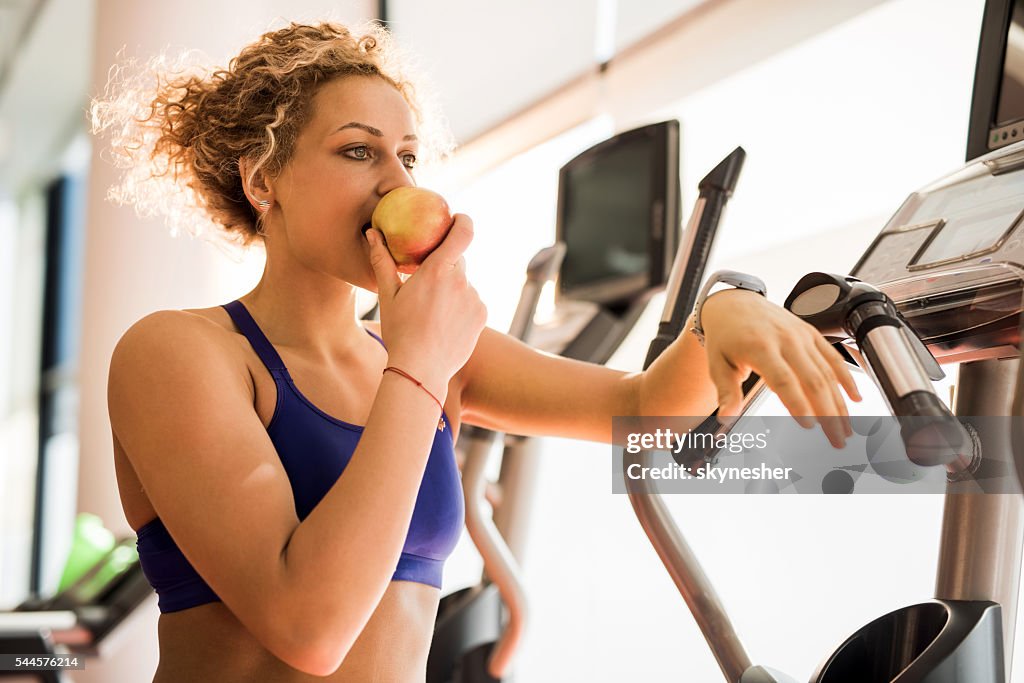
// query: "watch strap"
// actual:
[[733, 278]]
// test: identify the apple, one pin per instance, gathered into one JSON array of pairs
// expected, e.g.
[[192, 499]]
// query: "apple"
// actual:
[[413, 221]]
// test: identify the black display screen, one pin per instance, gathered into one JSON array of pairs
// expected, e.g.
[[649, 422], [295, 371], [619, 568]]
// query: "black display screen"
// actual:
[[1011, 92], [607, 214]]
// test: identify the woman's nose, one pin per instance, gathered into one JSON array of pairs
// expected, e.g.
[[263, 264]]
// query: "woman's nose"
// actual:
[[395, 175]]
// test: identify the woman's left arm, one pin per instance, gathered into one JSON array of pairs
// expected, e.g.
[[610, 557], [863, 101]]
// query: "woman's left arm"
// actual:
[[510, 387]]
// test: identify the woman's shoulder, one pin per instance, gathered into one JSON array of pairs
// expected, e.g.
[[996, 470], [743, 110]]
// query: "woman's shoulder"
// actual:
[[201, 335], [200, 324], [175, 355]]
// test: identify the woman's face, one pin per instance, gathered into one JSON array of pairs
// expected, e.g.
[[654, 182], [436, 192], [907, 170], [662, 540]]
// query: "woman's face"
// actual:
[[358, 145]]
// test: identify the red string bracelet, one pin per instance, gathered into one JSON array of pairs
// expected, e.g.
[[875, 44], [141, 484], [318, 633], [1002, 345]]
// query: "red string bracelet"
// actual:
[[415, 381]]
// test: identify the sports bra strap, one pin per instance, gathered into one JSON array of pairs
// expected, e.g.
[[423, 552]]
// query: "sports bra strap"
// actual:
[[260, 344]]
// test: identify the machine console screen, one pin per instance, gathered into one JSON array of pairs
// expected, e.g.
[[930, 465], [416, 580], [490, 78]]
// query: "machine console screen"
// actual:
[[971, 219]]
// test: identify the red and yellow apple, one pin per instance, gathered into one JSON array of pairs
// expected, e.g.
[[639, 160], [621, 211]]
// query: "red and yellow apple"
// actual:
[[414, 221]]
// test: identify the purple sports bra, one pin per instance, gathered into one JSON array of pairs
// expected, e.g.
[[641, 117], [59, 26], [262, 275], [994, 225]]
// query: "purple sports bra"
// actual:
[[314, 449]]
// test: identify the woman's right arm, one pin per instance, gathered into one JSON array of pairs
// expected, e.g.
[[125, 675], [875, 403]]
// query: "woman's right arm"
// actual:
[[181, 405]]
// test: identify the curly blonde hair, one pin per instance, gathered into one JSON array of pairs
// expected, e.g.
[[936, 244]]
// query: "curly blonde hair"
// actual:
[[178, 130]]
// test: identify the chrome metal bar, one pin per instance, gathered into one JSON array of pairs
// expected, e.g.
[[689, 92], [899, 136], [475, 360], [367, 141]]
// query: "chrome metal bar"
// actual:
[[685, 569], [520, 465], [904, 369], [679, 560], [983, 534], [499, 563], [690, 579]]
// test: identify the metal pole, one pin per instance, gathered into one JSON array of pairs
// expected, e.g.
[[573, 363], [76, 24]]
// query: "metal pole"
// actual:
[[520, 464], [684, 567], [983, 534], [691, 581]]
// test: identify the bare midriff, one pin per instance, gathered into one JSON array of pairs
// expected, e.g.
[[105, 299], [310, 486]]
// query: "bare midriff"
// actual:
[[207, 643]]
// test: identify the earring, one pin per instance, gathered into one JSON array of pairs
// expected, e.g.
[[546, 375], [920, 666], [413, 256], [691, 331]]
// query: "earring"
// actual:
[[264, 205]]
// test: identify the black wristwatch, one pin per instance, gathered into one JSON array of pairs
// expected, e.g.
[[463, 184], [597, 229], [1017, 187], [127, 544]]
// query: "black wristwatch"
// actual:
[[728, 278]]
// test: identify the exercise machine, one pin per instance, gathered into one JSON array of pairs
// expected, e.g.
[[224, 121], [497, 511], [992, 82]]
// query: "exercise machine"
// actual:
[[84, 620], [943, 282]]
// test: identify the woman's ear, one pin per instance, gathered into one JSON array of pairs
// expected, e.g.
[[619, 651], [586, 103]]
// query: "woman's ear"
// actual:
[[255, 184]]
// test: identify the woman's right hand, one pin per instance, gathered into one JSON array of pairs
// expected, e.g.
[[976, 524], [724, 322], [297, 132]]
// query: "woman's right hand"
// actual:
[[431, 322]]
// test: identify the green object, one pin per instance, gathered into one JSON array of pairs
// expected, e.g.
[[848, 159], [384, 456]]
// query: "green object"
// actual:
[[90, 543], [116, 563]]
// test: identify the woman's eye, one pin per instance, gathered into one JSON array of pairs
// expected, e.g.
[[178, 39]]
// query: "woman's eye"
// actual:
[[358, 152], [409, 160]]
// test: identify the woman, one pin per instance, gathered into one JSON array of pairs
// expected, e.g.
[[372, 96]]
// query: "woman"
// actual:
[[232, 424]]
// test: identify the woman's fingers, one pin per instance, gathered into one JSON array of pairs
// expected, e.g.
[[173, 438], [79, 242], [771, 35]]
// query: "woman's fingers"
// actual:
[[803, 376], [388, 280], [449, 252], [794, 359], [785, 382], [835, 366], [843, 414], [841, 368], [821, 387]]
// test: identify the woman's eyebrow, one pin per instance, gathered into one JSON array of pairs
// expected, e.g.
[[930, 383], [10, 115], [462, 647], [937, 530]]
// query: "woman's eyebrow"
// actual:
[[376, 132]]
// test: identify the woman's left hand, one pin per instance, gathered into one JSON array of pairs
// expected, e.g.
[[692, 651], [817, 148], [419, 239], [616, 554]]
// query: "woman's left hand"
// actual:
[[744, 333]]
